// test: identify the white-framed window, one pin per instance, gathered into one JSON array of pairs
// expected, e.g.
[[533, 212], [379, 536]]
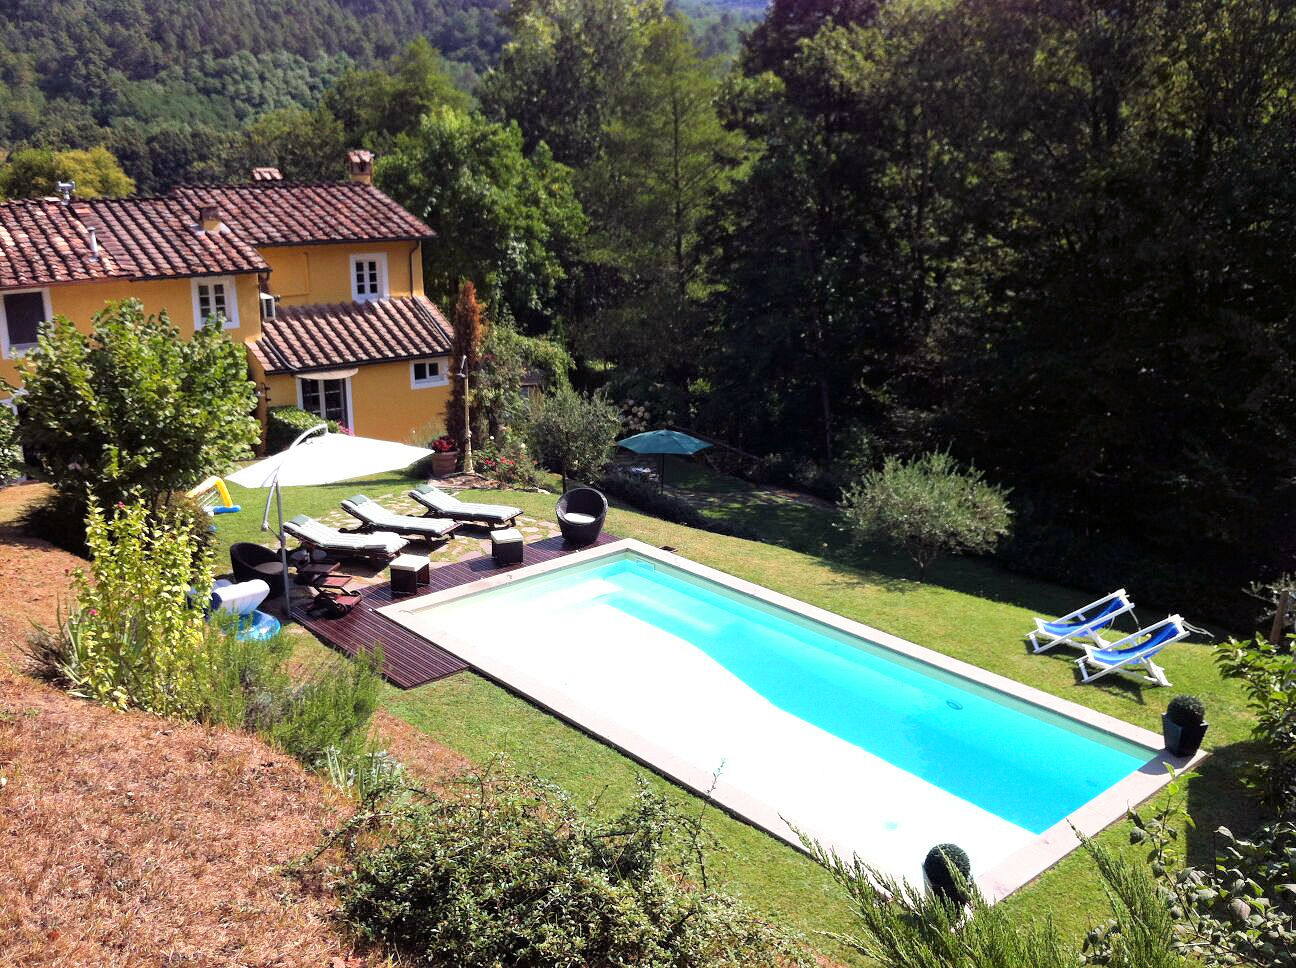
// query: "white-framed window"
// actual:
[[327, 399], [215, 298], [428, 373], [368, 277], [22, 311]]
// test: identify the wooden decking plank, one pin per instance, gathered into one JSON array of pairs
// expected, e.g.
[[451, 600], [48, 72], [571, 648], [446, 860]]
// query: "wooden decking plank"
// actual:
[[408, 659]]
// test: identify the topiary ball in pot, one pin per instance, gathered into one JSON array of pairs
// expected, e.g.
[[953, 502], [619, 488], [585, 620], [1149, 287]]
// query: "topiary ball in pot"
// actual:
[[938, 869], [1183, 725]]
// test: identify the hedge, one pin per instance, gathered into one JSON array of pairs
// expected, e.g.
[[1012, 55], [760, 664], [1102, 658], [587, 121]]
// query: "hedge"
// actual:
[[285, 424]]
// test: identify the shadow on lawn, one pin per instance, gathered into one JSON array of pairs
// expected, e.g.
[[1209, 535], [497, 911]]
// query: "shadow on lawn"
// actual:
[[1217, 798]]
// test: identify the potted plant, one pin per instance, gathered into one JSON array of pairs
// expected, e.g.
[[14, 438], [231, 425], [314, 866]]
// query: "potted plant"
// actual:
[[445, 456], [1183, 725], [938, 873]]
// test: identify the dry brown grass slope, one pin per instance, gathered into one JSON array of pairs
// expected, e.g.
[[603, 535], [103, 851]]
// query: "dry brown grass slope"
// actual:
[[129, 840]]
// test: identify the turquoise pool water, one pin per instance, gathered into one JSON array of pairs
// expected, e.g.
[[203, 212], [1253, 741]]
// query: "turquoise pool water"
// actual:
[[1027, 765]]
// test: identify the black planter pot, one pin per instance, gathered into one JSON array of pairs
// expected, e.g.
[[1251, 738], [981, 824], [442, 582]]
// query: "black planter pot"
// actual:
[[1182, 740]]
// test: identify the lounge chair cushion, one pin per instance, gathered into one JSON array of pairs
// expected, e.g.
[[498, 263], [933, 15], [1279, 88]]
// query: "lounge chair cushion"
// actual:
[[575, 517], [310, 531], [449, 505], [375, 515]]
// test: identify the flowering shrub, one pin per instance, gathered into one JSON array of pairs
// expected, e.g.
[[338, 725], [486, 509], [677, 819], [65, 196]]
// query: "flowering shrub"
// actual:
[[444, 444], [508, 463]]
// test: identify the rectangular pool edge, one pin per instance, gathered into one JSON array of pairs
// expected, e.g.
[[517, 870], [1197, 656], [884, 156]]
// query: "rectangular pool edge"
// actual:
[[1008, 876]]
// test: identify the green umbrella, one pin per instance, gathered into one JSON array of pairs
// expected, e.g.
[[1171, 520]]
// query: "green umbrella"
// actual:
[[663, 442]]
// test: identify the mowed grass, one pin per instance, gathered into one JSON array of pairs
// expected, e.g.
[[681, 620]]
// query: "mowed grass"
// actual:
[[967, 609]]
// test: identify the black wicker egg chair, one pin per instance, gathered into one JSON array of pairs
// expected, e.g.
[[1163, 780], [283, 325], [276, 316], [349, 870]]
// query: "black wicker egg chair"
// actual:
[[251, 561], [581, 512]]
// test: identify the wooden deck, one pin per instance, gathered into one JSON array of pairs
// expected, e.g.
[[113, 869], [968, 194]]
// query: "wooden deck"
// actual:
[[408, 659]]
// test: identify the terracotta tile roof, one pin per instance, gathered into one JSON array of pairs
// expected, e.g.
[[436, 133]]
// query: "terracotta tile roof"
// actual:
[[43, 242], [322, 337], [161, 237], [280, 213]]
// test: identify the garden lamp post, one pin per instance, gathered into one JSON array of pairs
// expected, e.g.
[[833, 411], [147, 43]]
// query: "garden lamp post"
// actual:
[[463, 375]]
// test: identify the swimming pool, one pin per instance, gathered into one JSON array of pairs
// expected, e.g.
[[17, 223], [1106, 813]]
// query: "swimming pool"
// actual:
[[794, 718]]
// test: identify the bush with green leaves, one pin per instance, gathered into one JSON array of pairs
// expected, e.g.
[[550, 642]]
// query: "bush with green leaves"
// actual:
[[1239, 911], [136, 639], [927, 507], [11, 458], [505, 459], [574, 434], [506, 870], [286, 423], [133, 412], [1268, 674]]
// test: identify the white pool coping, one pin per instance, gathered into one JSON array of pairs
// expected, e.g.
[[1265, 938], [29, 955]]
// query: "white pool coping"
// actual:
[[1007, 875]]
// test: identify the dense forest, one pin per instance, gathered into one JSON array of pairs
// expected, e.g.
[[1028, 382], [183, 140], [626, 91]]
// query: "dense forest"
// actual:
[[1054, 239]]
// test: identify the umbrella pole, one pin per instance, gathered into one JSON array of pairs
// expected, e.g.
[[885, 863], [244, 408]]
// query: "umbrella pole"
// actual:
[[661, 472], [283, 552]]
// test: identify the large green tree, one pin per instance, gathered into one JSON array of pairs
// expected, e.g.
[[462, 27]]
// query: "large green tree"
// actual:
[[666, 156], [503, 219]]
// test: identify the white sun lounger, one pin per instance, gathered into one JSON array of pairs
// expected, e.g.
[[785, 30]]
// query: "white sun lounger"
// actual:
[[380, 545], [1084, 623], [1134, 653], [445, 505], [374, 517]]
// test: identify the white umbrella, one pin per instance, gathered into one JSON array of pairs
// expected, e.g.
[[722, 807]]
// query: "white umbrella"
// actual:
[[326, 459], [319, 457]]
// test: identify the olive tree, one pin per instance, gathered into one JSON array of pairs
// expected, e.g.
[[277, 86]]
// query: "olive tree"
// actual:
[[132, 411], [928, 506], [574, 434]]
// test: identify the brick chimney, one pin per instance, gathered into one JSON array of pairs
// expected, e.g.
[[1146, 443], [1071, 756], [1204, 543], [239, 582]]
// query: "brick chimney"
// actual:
[[360, 166], [209, 217]]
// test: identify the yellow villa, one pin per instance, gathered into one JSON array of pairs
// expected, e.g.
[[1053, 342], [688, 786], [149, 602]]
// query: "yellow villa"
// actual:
[[322, 282]]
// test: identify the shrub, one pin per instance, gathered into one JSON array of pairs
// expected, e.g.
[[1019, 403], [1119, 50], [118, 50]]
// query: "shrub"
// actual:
[[1186, 711], [11, 458], [331, 712], [136, 639], [1240, 910], [132, 412], [507, 461], [940, 866], [1268, 673], [507, 871], [575, 434], [285, 424], [928, 506]]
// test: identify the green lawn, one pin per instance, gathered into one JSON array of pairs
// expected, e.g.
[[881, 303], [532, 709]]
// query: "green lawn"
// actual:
[[967, 609]]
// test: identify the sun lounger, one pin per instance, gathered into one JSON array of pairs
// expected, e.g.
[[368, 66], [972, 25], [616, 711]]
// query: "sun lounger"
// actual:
[[1134, 652], [1083, 623], [380, 546], [374, 517], [444, 505]]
